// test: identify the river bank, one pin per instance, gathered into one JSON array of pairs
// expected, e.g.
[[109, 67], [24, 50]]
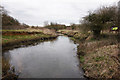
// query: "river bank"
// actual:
[[12, 39], [100, 59]]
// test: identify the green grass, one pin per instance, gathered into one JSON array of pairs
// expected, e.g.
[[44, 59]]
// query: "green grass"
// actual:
[[82, 59], [72, 38], [11, 38], [100, 58]]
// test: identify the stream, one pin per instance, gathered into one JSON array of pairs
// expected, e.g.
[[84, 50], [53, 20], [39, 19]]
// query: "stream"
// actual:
[[49, 59]]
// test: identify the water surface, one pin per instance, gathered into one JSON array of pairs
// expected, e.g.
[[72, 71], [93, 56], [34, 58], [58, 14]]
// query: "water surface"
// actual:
[[51, 59]]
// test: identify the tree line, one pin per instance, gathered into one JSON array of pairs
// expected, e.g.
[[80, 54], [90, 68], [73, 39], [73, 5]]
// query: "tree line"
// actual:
[[55, 26], [96, 21]]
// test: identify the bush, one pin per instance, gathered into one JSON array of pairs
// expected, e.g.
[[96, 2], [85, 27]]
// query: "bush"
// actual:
[[100, 19]]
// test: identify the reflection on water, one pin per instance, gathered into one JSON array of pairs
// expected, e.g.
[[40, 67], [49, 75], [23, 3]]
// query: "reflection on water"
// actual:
[[52, 59]]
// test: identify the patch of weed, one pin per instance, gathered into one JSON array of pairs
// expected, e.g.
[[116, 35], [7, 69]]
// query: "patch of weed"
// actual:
[[82, 59], [100, 58]]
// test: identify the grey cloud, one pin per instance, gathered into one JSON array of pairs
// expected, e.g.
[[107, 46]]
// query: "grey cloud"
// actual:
[[35, 12]]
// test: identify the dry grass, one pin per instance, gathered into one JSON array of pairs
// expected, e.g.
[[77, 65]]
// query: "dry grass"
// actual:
[[100, 58], [100, 63], [6, 73]]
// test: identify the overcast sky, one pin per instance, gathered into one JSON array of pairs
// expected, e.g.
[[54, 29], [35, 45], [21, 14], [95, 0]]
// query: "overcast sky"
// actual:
[[36, 12]]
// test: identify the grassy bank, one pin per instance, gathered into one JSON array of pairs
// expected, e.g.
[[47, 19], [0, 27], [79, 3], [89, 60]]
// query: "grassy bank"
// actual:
[[7, 72], [100, 59], [74, 34], [15, 38]]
